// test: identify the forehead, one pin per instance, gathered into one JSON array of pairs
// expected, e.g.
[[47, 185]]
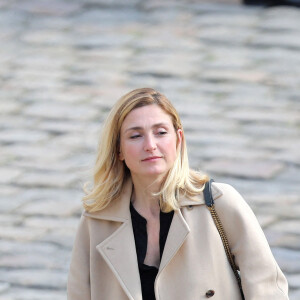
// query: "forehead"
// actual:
[[146, 116]]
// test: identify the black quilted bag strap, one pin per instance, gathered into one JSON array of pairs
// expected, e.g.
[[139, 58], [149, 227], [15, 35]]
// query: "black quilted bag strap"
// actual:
[[209, 201]]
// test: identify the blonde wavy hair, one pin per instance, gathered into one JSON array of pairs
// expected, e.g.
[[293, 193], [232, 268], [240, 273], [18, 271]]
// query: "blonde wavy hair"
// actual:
[[110, 173]]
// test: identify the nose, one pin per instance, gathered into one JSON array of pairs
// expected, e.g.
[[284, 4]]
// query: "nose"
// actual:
[[149, 143]]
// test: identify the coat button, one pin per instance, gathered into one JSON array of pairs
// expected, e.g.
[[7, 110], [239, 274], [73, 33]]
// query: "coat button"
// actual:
[[210, 293]]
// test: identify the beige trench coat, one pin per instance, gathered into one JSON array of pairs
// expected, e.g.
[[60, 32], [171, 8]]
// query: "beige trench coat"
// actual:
[[104, 262]]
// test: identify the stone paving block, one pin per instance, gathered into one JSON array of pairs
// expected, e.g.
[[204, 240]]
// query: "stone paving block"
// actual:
[[52, 61], [33, 294], [56, 8], [282, 240], [7, 191], [221, 34], [17, 247], [9, 175], [287, 226], [268, 200], [77, 163], [43, 194], [40, 76], [22, 136], [266, 134], [61, 126], [4, 286], [53, 23], [294, 280], [9, 203], [201, 139], [11, 18], [203, 125], [234, 75], [84, 141], [107, 18], [288, 260], [276, 12], [287, 56], [63, 237], [195, 111], [245, 169], [286, 40], [35, 152], [9, 219], [47, 179], [51, 222], [294, 295], [51, 207], [270, 116], [36, 85], [101, 40], [283, 211], [8, 108], [32, 260], [113, 3], [60, 111], [21, 233], [211, 151], [289, 156], [266, 220], [167, 65], [16, 121], [51, 279]]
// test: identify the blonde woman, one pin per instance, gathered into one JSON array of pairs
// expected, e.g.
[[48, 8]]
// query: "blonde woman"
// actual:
[[146, 232]]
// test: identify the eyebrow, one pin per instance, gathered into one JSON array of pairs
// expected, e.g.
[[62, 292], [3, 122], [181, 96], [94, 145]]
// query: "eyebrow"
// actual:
[[141, 128]]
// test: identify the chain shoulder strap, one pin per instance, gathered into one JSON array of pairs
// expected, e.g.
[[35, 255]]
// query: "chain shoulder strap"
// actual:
[[209, 201]]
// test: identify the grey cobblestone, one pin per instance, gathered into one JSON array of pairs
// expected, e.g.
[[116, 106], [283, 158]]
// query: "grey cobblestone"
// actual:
[[231, 71], [35, 277], [245, 169], [294, 295], [21, 233]]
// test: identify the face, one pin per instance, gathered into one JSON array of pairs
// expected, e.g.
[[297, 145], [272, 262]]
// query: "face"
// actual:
[[148, 141]]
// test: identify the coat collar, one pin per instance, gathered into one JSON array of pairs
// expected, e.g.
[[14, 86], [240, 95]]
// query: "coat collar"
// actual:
[[118, 210], [118, 249]]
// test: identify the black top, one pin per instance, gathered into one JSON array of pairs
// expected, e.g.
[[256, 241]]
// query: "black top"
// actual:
[[148, 273]]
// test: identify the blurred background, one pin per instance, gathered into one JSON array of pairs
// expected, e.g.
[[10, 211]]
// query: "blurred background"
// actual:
[[232, 70]]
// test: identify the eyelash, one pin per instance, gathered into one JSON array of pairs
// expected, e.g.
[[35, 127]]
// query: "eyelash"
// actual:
[[138, 135], [135, 136]]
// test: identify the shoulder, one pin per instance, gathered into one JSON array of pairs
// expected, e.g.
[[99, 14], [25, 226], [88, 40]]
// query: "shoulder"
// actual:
[[225, 192], [224, 189], [229, 199]]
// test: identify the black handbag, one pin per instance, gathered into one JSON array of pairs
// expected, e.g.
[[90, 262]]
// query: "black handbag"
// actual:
[[209, 201]]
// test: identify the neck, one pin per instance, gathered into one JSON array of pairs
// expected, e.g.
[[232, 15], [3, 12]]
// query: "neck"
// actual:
[[142, 196]]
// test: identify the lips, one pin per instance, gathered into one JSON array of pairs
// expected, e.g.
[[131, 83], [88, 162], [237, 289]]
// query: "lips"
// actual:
[[151, 158]]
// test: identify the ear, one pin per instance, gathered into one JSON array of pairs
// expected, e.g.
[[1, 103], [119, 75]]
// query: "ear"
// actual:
[[179, 137], [121, 157]]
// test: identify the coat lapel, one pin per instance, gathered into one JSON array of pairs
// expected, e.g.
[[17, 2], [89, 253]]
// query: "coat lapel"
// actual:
[[178, 232], [179, 228], [119, 252], [118, 249]]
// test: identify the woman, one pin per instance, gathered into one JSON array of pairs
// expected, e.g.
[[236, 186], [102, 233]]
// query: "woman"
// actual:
[[146, 232]]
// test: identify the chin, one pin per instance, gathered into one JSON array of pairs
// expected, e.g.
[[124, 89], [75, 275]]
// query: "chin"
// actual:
[[157, 173]]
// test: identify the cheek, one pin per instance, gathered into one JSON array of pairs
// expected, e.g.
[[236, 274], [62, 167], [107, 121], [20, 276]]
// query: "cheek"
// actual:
[[129, 151], [170, 147]]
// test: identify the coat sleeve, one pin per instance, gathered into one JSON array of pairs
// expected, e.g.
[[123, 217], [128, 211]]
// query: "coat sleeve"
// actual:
[[260, 274], [78, 286]]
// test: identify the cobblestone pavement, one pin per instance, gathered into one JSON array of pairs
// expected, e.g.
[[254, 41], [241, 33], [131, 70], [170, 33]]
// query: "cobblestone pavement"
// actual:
[[233, 72]]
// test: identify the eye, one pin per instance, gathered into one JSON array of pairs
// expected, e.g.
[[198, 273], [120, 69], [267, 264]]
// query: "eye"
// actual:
[[134, 136], [162, 132]]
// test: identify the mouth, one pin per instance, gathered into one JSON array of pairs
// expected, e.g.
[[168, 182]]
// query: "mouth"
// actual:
[[151, 158]]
